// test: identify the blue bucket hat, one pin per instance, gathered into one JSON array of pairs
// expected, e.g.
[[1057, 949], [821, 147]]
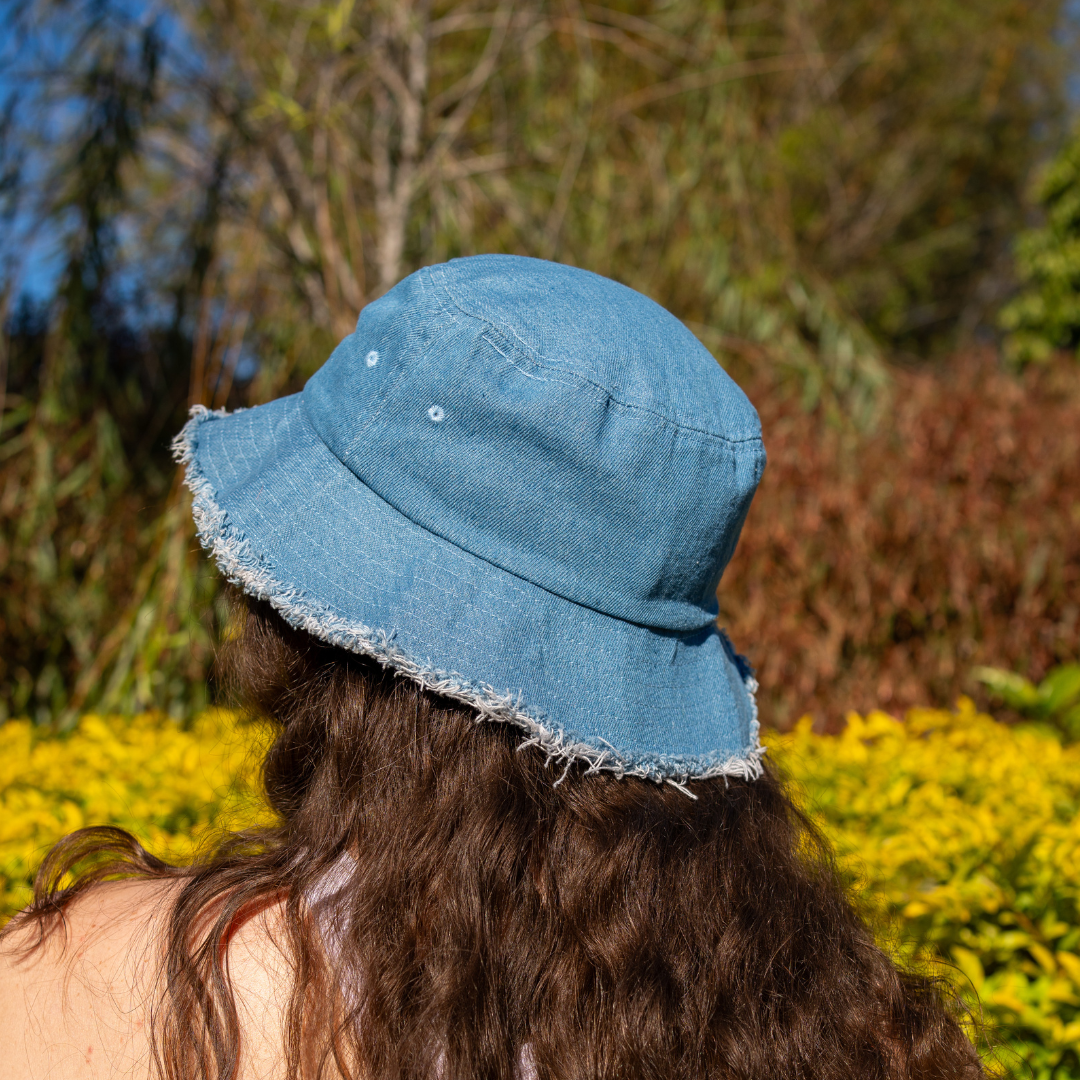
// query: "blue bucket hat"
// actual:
[[517, 483]]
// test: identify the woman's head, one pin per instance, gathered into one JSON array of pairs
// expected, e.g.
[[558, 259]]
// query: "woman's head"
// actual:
[[603, 926]]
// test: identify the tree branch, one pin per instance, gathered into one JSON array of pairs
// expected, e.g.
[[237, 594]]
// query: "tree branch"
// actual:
[[701, 80]]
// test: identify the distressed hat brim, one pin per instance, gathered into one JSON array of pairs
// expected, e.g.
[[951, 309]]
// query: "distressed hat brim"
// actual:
[[288, 523]]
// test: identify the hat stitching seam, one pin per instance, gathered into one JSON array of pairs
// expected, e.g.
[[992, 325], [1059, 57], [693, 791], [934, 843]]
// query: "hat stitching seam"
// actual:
[[254, 574], [391, 387], [388, 390], [543, 362], [675, 633], [579, 381], [751, 443]]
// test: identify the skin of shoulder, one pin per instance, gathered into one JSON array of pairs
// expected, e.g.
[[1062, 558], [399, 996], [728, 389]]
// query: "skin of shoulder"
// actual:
[[79, 1006]]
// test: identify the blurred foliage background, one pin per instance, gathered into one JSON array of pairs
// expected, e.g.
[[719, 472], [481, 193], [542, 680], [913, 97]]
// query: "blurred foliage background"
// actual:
[[868, 210], [843, 200]]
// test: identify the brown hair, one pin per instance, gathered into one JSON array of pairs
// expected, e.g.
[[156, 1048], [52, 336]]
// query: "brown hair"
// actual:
[[604, 927]]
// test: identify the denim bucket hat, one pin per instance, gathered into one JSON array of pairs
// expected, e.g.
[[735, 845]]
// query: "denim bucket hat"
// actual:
[[517, 483]]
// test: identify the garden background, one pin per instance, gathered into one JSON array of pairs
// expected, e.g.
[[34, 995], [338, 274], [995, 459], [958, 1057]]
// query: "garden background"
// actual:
[[869, 211]]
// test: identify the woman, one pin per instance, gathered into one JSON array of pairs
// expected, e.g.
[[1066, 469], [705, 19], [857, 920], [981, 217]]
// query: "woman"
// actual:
[[525, 825]]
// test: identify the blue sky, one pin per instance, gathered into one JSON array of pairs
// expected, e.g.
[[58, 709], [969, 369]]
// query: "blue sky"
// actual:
[[32, 252]]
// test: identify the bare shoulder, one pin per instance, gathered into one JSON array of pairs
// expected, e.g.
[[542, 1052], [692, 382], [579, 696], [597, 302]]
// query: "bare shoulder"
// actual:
[[79, 1005], [262, 974]]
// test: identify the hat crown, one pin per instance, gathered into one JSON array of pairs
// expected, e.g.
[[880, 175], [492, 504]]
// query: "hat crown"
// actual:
[[554, 423]]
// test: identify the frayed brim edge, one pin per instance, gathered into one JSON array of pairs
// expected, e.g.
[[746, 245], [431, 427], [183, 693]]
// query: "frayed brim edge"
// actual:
[[242, 566]]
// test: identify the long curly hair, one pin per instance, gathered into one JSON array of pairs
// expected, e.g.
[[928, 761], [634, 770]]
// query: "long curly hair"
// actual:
[[486, 923]]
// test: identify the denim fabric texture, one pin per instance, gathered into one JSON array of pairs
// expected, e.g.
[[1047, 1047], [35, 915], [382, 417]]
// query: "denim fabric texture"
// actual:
[[518, 483]]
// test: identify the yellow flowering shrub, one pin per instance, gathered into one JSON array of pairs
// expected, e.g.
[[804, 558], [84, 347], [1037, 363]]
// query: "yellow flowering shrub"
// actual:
[[961, 836], [171, 785]]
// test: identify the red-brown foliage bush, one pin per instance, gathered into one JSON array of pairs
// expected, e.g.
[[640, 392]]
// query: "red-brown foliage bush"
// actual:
[[878, 570]]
